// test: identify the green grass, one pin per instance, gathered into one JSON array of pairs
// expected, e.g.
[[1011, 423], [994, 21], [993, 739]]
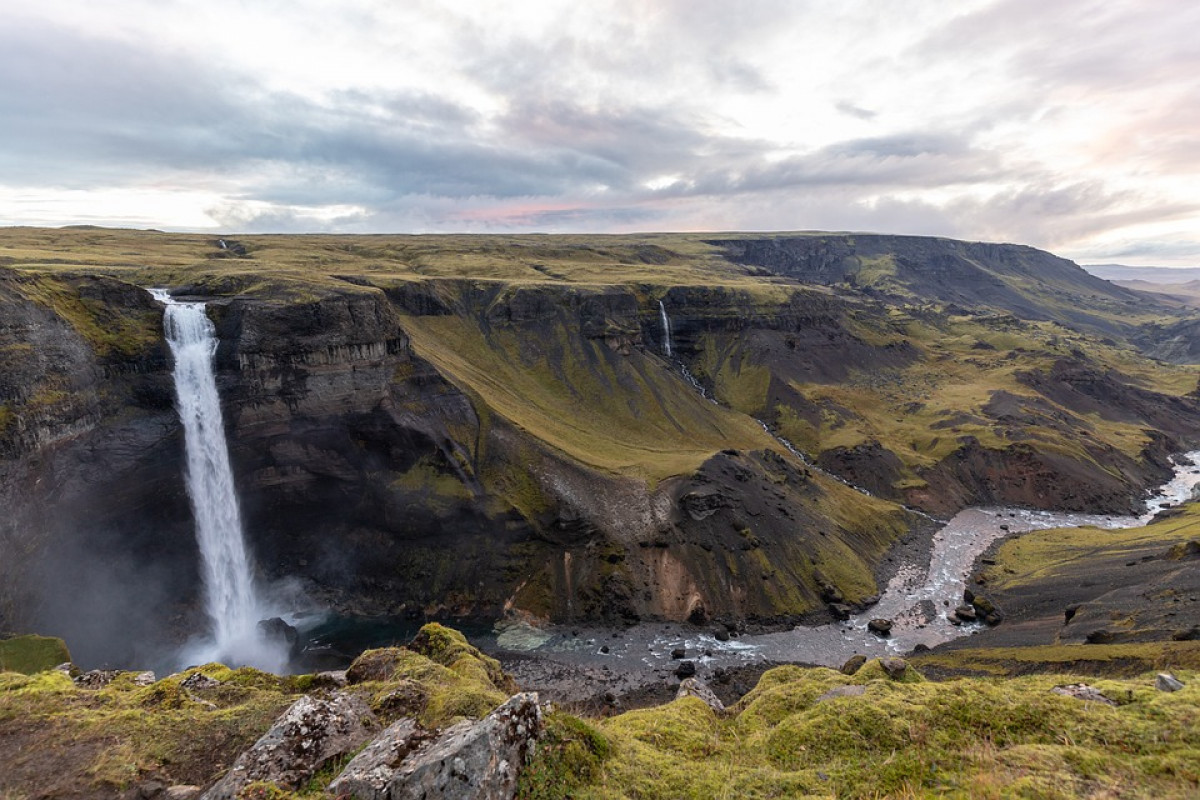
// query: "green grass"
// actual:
[[30, 654], [1041, 555], [626, 414], [970, 738], [63, 739]]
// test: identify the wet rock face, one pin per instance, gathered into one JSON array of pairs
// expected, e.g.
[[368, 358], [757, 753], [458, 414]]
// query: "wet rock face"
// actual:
[[89, 465], [304, 738]]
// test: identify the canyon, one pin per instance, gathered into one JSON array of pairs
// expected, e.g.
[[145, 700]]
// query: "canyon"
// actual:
[[468, 428]]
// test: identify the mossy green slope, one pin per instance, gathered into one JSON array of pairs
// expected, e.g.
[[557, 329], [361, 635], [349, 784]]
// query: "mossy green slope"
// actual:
[[60, 740], [971, 738], [624, 413]]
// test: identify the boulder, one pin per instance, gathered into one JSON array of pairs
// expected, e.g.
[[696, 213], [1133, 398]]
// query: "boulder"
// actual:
[[853, 664], [1166, 682], [894, 667], [721, 635], [965, 613], [144, 678], [303, 739], [472, 759], [986, 610], [278, 631], [679, 653], [694, 687], [686, 669], [369, 773], [880, 627], [330, 679], [1100, 637]]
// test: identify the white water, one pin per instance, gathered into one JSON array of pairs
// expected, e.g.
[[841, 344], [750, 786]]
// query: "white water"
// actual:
[[231, 600], [666, 326]]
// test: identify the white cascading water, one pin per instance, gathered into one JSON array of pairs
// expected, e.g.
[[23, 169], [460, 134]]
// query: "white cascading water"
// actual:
[[230, 597], [666, 326]]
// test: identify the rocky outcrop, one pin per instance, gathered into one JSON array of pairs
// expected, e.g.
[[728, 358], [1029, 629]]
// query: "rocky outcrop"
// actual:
[[304, 738], [468, 761]]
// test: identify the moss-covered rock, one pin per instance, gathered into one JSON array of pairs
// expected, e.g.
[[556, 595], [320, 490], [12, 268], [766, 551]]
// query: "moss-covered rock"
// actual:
[[30, 654]]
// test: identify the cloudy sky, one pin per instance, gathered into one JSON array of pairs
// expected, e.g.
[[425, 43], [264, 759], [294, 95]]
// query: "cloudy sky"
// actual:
[[1071, 125]]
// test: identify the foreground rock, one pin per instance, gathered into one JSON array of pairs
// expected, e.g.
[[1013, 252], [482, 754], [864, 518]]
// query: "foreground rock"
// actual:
[[1081, 691], [468, 760], [694, 687], [1166, 682], [304, 738]]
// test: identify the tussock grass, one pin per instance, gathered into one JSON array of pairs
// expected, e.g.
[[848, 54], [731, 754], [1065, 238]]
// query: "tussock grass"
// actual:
[[965, 738]]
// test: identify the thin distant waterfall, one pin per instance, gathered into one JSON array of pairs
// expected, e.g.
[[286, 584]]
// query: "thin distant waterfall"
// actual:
[[230, 596], [666, 327]]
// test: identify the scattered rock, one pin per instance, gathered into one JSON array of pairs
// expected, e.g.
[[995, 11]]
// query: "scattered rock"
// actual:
[[894, 667], [721, 635], [149, 790], [96, 678], [965, 613], [1166, 682], [880, 627], [144, 678], [1187, 634], [472, 759], [840, 611], [1069, 613], [330, 679], [604, 649], [686, 669], [1099, 637], [678, 653], [694, 687], [920, 647], [853, 664], [1081, 691], [841, 691], [199, 681], [302, 740]]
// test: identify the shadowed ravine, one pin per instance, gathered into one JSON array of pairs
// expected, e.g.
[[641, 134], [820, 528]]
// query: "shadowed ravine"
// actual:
[[919, 599]]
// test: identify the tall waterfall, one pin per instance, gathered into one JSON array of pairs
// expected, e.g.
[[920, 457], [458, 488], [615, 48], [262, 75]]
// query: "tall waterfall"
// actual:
[[230, 597], [666, 327]]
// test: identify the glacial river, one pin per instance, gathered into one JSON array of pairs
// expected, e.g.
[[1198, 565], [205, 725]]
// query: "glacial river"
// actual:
[[920, 600]]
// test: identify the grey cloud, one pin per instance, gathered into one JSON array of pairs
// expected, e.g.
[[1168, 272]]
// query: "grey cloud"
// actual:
[[851, 110]]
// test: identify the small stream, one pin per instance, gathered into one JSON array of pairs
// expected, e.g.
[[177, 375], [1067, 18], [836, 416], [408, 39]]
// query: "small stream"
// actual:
[[919, 599]]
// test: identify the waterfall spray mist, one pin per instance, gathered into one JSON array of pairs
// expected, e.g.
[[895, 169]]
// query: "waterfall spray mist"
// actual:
[[231, 601]]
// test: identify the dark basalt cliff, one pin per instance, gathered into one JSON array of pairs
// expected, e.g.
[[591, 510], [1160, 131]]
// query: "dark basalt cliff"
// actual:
[[457, 447]]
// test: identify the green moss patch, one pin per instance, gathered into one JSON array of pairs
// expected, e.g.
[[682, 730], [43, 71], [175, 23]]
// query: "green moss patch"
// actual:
[[30, 654], [961, 738]]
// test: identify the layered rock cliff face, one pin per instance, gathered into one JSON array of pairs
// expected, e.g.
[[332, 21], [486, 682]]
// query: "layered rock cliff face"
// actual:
[[458, 447]]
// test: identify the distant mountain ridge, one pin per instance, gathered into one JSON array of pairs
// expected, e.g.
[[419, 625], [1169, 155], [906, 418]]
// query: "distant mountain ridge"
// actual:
[[1121, 272]]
